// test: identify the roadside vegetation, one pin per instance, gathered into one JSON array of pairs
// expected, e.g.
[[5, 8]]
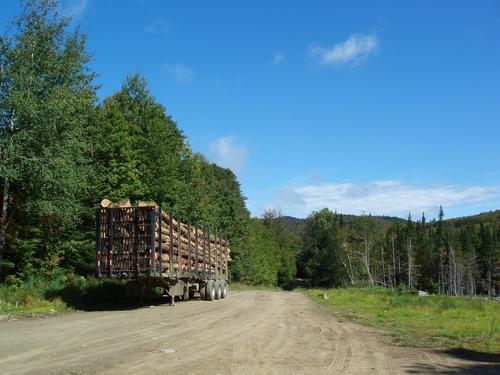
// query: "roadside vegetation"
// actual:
[[42, 296], [471, 323]]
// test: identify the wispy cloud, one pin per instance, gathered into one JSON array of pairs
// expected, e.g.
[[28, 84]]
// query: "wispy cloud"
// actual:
[[74, 8], [353, 50], [278, 58], [386, 197], [182, 74], [159, 26], [229, 153]]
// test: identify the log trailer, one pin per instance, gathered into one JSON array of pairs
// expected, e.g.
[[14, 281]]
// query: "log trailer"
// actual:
[[148, 247]]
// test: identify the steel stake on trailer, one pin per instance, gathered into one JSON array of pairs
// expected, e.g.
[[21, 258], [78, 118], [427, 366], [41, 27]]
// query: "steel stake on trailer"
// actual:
[[171, 260], [160, 219], [196, 249], [152, 214], [225, 256], [179, 257], [111, 242], [209, 255], [217, 256], [98, 240], [190, 261], [204, 252]]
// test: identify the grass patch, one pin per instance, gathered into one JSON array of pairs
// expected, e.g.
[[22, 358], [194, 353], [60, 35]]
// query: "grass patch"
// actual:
[[29, 298], [434, 321]]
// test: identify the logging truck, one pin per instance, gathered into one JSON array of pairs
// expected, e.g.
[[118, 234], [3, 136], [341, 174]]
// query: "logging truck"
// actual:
[[151, 249]]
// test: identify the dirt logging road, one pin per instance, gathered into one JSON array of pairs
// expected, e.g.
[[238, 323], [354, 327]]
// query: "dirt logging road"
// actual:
[[251, 332]]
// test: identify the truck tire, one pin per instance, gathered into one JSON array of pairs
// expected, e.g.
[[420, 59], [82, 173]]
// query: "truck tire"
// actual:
[[191, 292], [224, 290], [210, 293], [218, 290], [185, 293], [203, 292]]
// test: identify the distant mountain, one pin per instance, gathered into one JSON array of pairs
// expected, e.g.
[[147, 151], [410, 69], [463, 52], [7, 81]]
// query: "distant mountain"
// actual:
[[484, 217], [297, 224]]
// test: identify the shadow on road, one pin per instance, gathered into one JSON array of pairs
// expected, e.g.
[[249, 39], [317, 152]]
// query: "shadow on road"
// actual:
[[473, 355], [475, 369], [102, 296], [486, 363]]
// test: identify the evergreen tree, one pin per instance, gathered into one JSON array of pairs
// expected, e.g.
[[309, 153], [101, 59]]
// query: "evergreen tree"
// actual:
[[321, 257]]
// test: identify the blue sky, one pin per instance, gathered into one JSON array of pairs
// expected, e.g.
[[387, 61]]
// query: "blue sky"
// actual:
[[359, 106]]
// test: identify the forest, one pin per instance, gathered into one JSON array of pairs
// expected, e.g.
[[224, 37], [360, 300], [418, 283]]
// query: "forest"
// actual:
[[453, 257], [63, 149]]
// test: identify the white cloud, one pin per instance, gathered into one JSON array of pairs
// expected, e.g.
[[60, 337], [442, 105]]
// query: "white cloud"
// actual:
[[386, 197], [159, 26], [74, 8], [278, 58], [351, 51], [182, 74], [228, 153]]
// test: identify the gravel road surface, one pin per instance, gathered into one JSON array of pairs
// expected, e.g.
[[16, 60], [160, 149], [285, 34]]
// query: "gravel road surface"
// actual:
[[251, 332]]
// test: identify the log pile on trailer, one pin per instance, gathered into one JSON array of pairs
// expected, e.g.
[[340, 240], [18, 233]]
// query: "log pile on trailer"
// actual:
[[179, 248]]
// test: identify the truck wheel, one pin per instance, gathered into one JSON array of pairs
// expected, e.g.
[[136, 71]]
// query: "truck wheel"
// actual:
[[191, 293], [224, 290], [203, 292], [210, 290], [185, 293], [217, 287]]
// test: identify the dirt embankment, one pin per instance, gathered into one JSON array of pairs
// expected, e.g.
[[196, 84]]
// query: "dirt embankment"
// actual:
[[249, 333]]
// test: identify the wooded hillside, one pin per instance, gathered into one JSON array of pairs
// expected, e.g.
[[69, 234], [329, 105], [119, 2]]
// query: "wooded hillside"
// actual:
[[456, 257]]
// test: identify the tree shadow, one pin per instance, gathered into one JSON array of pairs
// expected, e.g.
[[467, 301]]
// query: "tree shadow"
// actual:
[[102, 296], [475, 362], [466, 369], [473, 355]]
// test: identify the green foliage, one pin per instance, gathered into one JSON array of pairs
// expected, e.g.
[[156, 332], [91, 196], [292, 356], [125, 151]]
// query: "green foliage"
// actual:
[[321, 257], [46, 102], [259, 262], [432, 321]]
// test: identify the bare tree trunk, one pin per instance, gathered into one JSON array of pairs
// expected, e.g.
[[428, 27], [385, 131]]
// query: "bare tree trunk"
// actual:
[[453, 272], [441, 272], [348, 267], [352, 269], [409, 263], [3, 224], [383, 266], [471, 272], [366, 259], [399, 269], [5, 197], [489, 279], [393, 261]]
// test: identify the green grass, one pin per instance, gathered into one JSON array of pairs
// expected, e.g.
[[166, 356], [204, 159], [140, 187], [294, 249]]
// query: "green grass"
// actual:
[[29, 298], [432, 321]]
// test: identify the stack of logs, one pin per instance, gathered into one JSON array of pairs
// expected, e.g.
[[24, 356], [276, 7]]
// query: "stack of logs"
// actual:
[[192, 248]]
